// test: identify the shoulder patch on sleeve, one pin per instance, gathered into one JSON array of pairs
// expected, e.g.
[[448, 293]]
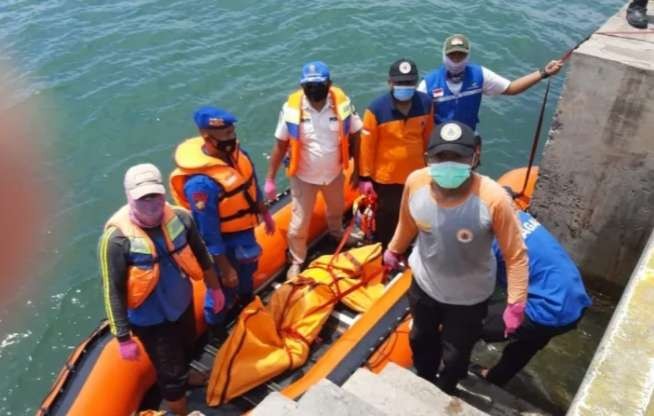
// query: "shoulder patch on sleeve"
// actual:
[[200, 200]]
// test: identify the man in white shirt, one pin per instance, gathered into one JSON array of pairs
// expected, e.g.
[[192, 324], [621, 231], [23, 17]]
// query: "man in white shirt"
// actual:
[[457, 86], [317, 126]]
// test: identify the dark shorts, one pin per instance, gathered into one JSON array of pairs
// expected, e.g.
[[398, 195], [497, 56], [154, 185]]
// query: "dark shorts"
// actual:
[[169, 346]]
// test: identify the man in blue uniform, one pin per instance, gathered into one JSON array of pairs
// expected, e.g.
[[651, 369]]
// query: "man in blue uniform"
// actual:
[[556, 301], [216, 180], [457, 86]]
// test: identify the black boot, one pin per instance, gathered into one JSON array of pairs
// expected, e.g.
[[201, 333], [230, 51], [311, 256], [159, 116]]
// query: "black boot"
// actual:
[[637, 16]]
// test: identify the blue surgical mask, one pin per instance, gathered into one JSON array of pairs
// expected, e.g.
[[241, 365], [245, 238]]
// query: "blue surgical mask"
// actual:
[[403, 92], [449, 175]]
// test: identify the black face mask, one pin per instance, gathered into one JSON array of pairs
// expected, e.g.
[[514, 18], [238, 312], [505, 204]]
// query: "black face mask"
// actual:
[[226, 146], [315, 91]]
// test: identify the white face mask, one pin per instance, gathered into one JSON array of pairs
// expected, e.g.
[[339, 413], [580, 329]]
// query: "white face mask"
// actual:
[[455, 68]]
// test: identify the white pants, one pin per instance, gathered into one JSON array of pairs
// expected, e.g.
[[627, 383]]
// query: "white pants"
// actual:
[[303, 199]]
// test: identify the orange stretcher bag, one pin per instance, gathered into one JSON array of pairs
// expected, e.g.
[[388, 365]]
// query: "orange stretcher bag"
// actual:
[[269, 340]]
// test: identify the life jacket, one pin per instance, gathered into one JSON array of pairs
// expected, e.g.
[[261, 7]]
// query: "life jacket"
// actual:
[[237, 207], [143, 268], [464, 106], [293, 119]]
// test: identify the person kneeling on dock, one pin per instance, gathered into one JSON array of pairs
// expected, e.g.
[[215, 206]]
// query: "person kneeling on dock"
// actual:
[[216, 180], [556, 301], [455, 214], [148, 253]]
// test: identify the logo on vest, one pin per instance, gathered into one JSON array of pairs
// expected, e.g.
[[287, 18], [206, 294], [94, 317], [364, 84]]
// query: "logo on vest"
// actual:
[[464, 235], [451, 132]]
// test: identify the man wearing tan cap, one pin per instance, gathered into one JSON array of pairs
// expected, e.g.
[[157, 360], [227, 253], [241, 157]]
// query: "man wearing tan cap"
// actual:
[[148, 253], [457, 86]]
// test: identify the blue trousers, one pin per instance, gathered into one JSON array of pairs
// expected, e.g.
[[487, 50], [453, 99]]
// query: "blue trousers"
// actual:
[[243, 292]]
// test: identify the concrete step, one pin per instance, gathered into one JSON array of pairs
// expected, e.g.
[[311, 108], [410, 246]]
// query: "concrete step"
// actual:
[[494, 400], [327, 399], [276, 404], [392, 400], [402, 379]]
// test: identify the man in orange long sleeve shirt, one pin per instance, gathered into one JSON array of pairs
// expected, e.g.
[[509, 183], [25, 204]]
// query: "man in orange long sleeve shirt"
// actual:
[[455, 214], [396, 129]]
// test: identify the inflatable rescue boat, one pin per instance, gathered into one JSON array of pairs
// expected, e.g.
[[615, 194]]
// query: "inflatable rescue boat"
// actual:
[[369, 331]]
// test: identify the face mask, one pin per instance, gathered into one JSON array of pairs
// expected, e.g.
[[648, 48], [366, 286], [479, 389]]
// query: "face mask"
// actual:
[[226, 146], [403, 92], [455, 68], [316, 91], [449, 175], [147, 212]]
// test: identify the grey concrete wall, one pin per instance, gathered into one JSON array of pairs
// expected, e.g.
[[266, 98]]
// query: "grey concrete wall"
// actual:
[[596, 187], [620, 379]]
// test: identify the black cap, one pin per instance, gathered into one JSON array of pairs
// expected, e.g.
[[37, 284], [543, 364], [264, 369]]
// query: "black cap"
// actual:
[[403, 70], [452, 136]]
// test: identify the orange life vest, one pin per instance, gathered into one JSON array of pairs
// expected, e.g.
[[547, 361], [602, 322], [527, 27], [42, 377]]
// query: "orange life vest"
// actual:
[[143, 272], [293, 119], [237, 207]]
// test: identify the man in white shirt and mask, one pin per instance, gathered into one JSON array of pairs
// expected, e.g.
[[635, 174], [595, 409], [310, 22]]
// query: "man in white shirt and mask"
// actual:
[[457, 86]]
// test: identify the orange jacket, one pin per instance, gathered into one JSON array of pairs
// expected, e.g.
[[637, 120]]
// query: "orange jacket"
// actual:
[[237, 207], [393, 145], [143, 271], [293, 117]]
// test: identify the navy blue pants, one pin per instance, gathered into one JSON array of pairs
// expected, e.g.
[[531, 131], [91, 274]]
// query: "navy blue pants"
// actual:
[[233, 296], [453, 345], [530, 338]]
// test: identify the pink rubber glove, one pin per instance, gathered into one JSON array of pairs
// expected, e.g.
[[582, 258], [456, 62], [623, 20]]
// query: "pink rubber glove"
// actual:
[[129, 350], [366, 188], [270, 189], [218, 298], [513, 316], [269, 223], [391, 260]]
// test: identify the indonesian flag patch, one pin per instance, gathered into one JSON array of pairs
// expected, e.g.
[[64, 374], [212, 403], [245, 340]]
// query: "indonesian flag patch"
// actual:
[[437, 92]]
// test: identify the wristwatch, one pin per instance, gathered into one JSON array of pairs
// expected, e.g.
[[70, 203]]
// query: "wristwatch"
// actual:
[[543, 74]]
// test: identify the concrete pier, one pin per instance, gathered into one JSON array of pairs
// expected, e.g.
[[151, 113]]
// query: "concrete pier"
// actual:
[[596, 186], [620, 379]]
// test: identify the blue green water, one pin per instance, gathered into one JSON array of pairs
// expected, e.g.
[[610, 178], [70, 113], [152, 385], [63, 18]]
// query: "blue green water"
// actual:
[[118, 82]]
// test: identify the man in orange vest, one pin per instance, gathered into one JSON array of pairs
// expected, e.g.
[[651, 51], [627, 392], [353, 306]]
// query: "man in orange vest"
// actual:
[[396, 129], [216, 180], [317, 126], [148, 253]]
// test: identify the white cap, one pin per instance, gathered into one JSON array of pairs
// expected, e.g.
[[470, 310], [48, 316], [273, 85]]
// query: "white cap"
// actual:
[[142, 180]]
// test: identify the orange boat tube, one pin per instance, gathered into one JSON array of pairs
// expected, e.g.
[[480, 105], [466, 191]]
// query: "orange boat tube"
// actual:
[[95, 380]]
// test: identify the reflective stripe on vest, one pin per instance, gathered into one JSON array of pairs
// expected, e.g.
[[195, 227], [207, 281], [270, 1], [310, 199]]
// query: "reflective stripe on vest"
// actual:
[[143, 269], [237, 206], [293, 118], [464, 106]]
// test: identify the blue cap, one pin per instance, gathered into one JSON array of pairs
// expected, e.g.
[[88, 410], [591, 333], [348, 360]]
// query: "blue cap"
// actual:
[[316, 71], [208, 117]]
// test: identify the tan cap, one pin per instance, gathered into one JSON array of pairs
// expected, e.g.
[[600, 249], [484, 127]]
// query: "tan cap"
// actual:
[[142, 180]]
